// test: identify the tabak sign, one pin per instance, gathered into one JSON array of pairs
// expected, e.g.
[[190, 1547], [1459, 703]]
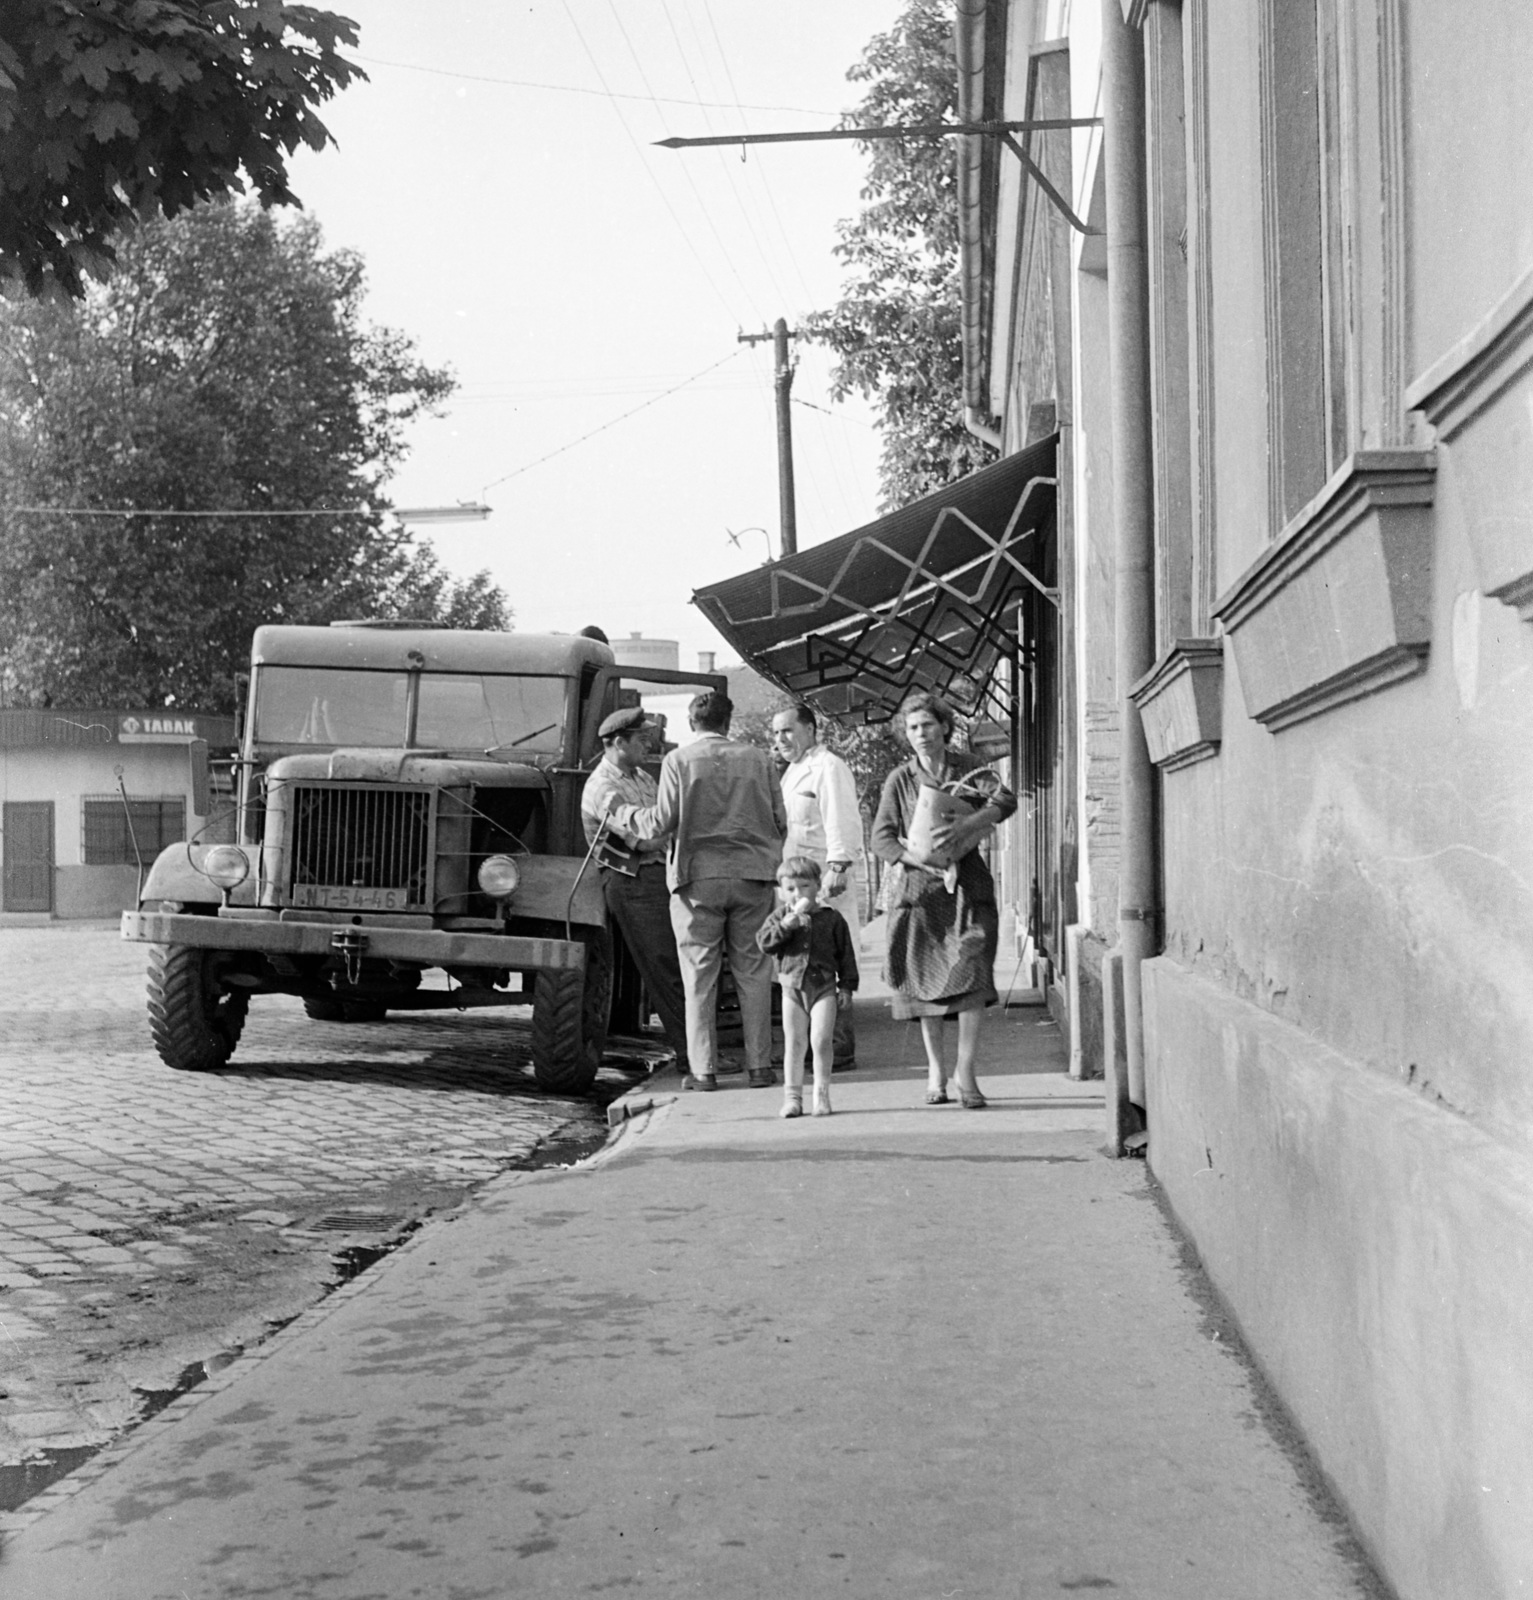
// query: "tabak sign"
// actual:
[[155, 728]]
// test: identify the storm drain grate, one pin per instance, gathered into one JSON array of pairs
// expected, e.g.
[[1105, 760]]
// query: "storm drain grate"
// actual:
[[354, 1222]]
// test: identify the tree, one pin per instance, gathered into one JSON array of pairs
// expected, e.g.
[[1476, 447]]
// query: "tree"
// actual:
[[225, 365], [113, 112], [896, 328]]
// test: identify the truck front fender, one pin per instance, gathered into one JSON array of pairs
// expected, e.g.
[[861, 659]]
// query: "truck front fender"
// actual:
[[177, 875], [544, 891]]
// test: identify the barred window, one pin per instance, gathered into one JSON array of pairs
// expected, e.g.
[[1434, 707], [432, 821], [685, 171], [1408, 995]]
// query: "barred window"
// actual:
[[105, 838]]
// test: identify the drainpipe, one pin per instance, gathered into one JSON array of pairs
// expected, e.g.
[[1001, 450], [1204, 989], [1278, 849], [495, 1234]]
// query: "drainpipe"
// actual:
[[1128, 332], [982, 429]]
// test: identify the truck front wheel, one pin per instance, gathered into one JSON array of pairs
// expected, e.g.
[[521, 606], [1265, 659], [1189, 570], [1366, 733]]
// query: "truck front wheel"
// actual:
[[569, 1020], [195, 1020]]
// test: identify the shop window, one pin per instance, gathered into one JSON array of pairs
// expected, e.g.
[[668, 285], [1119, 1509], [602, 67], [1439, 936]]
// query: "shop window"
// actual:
[[107, 840]]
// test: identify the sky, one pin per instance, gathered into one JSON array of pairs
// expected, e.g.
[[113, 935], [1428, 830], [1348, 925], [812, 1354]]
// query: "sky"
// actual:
[[498, 175]]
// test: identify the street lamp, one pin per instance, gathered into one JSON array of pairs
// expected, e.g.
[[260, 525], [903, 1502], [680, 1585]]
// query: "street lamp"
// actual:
[[464, 511], [735, 538]]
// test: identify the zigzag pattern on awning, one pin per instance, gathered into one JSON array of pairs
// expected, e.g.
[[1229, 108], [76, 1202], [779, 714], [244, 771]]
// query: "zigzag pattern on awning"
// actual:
[[917, 600]]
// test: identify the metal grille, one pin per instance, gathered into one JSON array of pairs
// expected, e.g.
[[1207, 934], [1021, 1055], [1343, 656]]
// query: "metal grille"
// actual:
[[362, 838], [108, 830]]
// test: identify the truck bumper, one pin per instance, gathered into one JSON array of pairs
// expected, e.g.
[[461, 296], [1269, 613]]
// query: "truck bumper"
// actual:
[[427, 947]]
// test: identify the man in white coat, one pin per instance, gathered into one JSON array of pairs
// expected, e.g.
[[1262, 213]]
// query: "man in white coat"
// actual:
[[824, 824]]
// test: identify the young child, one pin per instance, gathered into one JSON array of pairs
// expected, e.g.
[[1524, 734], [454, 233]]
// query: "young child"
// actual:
[[817, 968]]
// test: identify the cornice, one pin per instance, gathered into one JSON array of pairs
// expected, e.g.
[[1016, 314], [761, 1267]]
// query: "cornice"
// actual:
[[1455, 388], [1340, 606], [1369, 479]]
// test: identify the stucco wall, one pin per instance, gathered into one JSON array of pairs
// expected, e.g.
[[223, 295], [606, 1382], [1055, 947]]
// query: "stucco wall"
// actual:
[[1368, 874], [63, 775], [94, 891], [1469, 150], [1377, 1252]]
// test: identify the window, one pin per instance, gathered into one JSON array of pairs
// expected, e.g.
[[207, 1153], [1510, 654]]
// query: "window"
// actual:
[[106, 838], [491, 713], [330, 706], [1302, 169], [475, 712]]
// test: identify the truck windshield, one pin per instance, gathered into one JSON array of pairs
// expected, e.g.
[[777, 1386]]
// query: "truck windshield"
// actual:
[[475, 711], [458, 711]]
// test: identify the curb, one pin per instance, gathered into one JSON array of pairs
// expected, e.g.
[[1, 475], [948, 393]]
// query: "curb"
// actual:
[[643, 1096], [140, 1434]]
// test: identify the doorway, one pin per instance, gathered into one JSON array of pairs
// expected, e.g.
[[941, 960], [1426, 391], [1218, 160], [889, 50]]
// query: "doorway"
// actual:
[[28, 849]]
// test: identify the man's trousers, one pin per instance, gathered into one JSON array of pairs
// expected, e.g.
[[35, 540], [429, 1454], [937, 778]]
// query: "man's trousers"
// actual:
[[712, 918], [641, 907]]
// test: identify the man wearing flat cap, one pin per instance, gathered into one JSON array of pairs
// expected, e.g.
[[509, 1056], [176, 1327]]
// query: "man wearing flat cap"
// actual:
[[720, 805], [638, 900]]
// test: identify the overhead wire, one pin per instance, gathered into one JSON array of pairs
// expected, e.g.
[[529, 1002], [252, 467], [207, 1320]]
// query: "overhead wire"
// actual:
[[686, 170], [643, 156], [726, 166], [171, 511], [571, 88], [612, 422], [760, 174], [841, 453]]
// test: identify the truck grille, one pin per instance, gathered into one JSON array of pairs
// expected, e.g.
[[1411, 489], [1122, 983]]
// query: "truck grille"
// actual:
[[367, 837]]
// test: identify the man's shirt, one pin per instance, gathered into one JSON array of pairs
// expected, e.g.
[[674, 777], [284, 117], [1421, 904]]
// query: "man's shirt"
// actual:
[[821, 798], [634, 788], [721, 800]]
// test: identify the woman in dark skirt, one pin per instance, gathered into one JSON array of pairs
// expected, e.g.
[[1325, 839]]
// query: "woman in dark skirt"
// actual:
[[941, 941]]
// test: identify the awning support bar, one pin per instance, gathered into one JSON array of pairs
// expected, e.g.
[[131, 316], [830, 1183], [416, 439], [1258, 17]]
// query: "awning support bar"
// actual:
[[1035, 172], [1051, 595]]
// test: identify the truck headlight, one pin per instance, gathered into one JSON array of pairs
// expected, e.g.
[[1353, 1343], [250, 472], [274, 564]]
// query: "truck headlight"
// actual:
[[227, 865], [499, 876]]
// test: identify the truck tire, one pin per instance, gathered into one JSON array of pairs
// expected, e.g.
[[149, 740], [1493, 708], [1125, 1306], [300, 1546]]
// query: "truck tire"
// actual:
[[569, 1020], [322, 1008], [196, 1022]]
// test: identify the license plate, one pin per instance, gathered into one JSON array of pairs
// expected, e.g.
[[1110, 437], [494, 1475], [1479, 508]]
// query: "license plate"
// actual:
[[347, 897]]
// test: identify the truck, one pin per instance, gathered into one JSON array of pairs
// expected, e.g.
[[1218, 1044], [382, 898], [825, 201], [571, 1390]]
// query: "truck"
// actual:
[[408, 801]]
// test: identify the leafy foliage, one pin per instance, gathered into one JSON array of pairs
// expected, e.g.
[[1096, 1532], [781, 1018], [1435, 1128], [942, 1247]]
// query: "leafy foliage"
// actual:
[[896, 328], [226, 365], [111, 112]]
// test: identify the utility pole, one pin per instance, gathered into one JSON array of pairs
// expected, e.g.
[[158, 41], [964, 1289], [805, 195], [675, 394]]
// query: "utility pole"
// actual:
[[783, 383]]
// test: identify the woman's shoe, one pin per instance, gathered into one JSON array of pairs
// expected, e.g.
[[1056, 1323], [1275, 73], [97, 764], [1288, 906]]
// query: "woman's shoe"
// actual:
[[937, 1097], [792, 1105], [972, 1100], [822, 1102]]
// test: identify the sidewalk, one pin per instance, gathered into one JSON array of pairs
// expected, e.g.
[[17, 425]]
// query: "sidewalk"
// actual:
[[900, 1352]]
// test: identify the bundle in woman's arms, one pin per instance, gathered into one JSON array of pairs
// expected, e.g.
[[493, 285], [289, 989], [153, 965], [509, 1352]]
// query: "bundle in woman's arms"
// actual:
[[938, 807]]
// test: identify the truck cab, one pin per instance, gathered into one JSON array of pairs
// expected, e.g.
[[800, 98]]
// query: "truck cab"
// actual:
[[409, 799]]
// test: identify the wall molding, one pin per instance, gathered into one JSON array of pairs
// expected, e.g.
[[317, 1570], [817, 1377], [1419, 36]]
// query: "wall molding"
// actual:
[[1479, 397], [1181, 703], [1200, 401], [1340, 606], [1394, 201], [1456, 388]]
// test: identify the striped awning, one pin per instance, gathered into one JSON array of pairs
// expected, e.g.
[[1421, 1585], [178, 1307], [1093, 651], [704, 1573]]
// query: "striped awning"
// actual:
[[924, 598]]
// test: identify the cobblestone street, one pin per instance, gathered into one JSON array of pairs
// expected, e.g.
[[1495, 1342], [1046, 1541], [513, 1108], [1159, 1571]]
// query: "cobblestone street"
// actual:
[[152, 1221]]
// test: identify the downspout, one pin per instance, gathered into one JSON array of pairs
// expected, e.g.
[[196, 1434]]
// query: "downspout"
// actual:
[[973, 421], [969, 54], [1128, 333]]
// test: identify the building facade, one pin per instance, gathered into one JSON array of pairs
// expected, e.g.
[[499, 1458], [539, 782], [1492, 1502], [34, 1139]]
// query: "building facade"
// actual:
[[90, 797], [1279, 308]]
